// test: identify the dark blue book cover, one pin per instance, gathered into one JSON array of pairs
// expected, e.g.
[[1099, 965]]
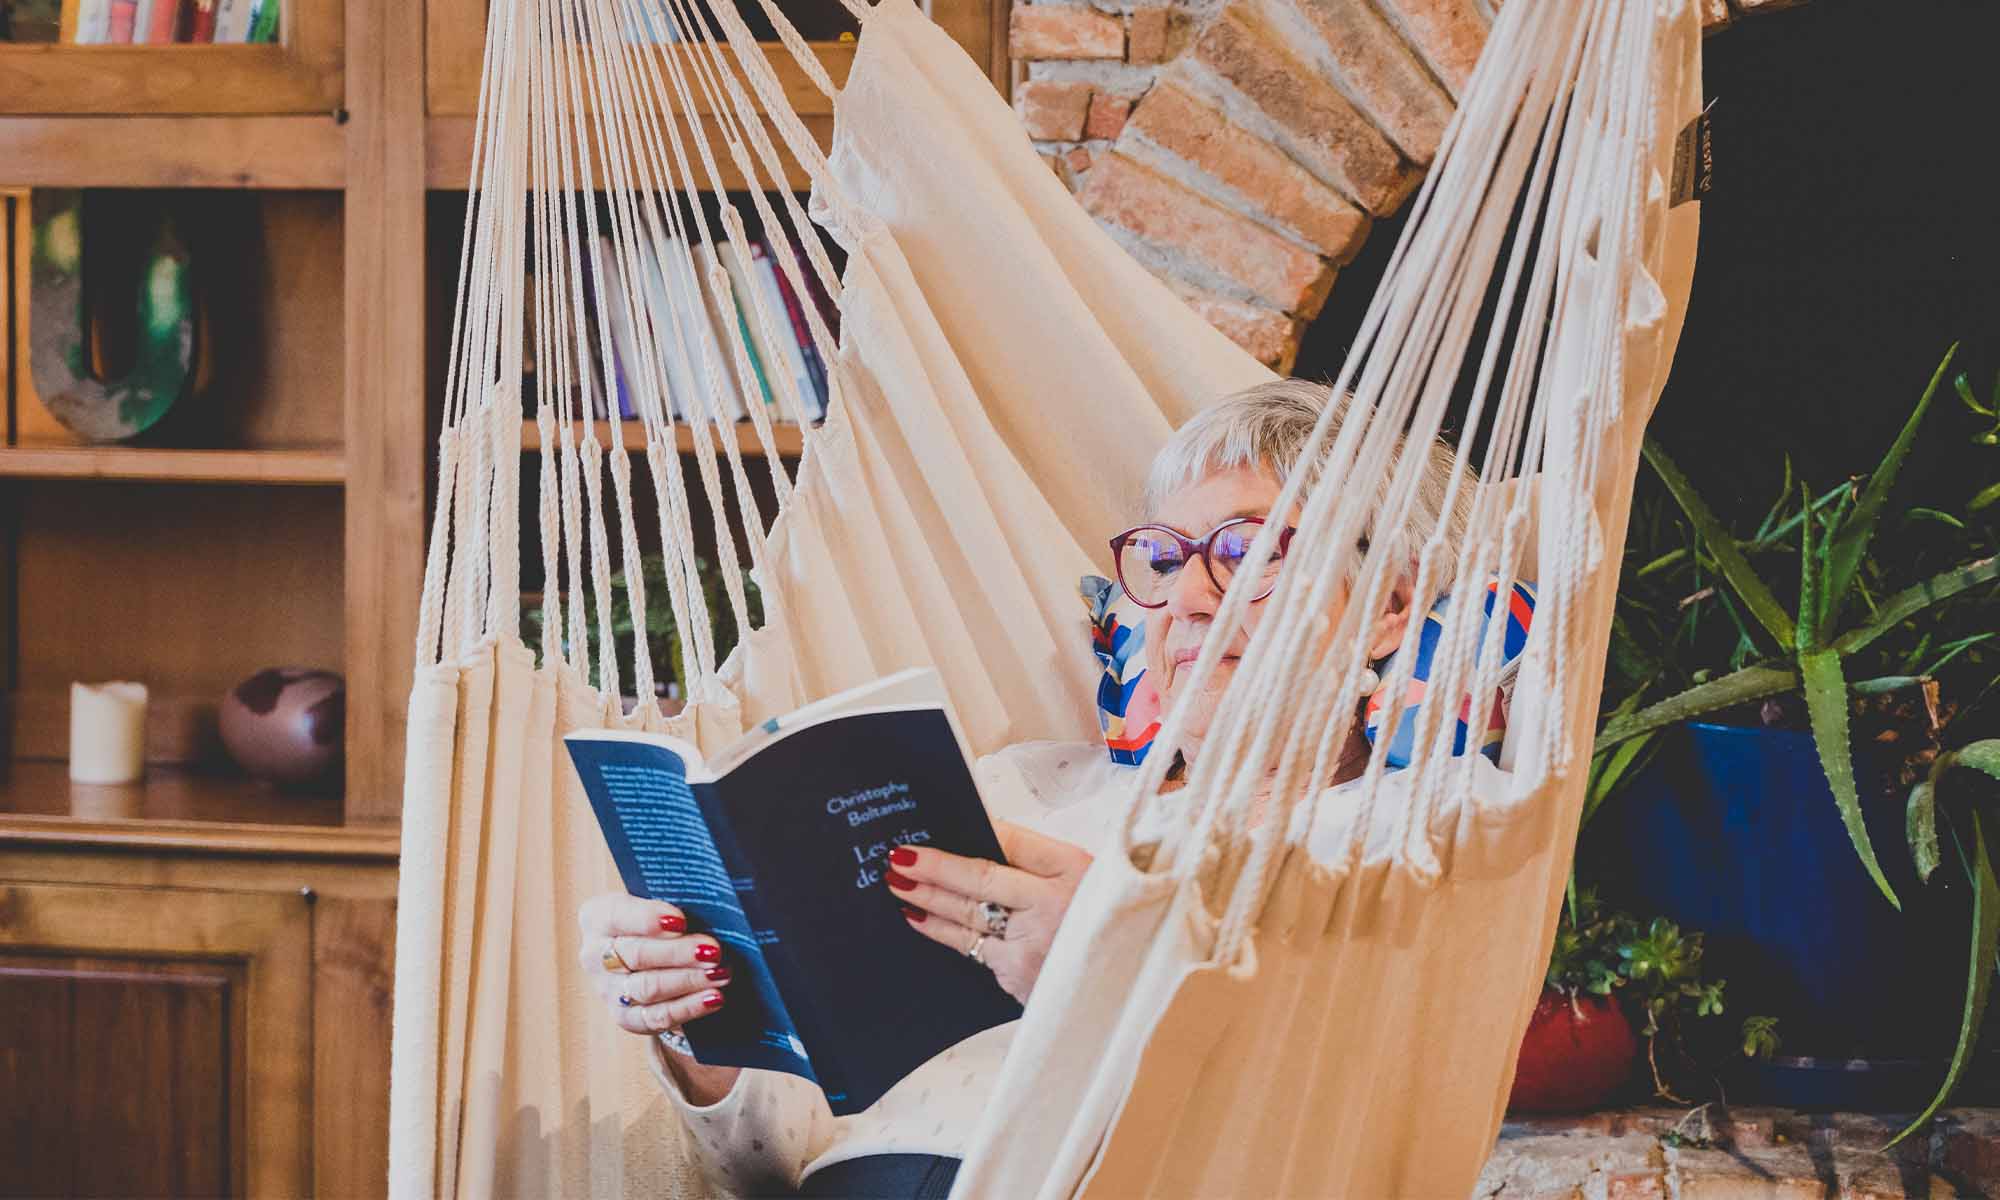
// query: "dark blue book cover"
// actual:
[[778, 852]]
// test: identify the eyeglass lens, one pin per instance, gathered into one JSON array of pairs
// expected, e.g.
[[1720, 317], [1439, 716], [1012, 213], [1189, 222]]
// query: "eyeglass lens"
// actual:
[[1152, 558]]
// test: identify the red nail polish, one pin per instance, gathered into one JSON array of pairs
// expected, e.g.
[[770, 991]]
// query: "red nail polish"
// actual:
[[913, 914], [708, 952], [712, 1000], [903, 856], [673, 923], [717, 974], [901, 883]]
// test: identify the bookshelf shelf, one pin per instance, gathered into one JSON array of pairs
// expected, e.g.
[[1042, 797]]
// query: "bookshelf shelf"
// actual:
[[179, 809], [174, 152], [789, 439], [311, 467], [301, 76]]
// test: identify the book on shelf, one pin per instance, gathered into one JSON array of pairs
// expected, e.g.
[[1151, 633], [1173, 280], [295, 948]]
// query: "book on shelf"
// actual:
[[829, 312], [264, 22], [157, 22], [671, 331], [124, 14], [791, 357], [647, 22], [232, 22], [815, 395], [201, 22], [87, 22], [777, 848], [717, 333], [763, 357], [618, 309], [706, 346]]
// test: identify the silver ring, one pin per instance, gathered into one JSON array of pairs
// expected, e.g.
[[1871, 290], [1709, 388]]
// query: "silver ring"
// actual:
[[678, 1042], [977, 950], [993, 917]]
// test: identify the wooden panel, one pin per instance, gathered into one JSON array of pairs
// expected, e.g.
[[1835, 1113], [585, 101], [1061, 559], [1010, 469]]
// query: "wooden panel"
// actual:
[[449, 149], [187, 466], [269, 936], [972, 24], [456, 46], [270, 354], [126, 1079], [280, 386], [188, 589], [177, 152], [36, 1154], [386, 446], [301, 75], [353, 957], [150, 1093], [454, 50]]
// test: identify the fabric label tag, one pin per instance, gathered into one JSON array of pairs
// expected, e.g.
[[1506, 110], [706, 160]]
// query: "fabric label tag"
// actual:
[[1694, 161]]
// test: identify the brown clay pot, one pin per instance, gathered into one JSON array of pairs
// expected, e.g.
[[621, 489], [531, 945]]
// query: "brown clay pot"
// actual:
[[1576, 1053], [286, 724]]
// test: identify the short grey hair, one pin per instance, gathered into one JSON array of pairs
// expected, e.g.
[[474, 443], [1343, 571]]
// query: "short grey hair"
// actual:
[[1266, 428]]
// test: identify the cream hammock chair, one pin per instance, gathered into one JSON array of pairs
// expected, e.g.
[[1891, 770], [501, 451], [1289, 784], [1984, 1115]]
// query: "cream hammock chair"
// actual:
[[1320, 999]]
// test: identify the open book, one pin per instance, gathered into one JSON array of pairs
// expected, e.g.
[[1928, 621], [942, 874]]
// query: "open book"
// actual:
[[777, 848]]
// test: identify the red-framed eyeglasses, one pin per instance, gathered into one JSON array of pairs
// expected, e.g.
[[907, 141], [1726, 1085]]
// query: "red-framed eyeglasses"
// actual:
[[1149, 557]]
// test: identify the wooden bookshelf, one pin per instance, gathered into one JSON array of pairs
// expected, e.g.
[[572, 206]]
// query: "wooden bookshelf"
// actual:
[[789, 439], [279, 522], [174, 152]]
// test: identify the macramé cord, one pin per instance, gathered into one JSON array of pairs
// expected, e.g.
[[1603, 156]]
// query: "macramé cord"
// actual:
[[1543, 212]]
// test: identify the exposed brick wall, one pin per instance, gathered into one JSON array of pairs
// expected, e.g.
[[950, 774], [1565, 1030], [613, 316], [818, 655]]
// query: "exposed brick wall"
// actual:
[[1240, 148]]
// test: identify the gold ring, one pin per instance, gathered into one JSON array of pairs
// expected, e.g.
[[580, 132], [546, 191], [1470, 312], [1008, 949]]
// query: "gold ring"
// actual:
[[613, 961], [977, 950]]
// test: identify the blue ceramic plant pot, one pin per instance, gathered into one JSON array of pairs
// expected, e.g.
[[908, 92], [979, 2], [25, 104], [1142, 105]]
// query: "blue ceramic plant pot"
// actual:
[[1733, 832]]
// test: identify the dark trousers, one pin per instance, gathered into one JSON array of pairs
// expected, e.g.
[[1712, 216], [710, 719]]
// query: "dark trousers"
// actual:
[[884, 1176]]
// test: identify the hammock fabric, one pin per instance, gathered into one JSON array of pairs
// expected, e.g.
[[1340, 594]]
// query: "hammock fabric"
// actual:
[[1003, 376]]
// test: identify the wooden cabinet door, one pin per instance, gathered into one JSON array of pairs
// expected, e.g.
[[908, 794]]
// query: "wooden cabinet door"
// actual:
[[154, 1042]]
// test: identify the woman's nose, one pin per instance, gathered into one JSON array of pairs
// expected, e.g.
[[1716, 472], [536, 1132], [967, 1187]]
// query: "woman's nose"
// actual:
[[1193, 593]]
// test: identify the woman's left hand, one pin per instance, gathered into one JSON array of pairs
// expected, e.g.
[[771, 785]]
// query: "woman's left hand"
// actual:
[[941, 894]]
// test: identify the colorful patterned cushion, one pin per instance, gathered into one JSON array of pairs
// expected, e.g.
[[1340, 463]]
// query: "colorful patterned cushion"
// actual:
[[1520, 614], [1128, 706]]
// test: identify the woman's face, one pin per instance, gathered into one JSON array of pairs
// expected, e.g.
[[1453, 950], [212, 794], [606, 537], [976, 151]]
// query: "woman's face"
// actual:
[[1175, 631]]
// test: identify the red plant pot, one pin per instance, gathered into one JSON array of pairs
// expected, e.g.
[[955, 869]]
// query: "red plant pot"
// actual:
[[1575, 1055]]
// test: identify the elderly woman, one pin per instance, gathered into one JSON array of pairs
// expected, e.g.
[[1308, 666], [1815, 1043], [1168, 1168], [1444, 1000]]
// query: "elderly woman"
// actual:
[[760, 1132]]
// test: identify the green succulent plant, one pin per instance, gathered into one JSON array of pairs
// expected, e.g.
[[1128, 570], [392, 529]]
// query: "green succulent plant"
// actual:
[[663, 643], [1846, 621], [1654, 968]]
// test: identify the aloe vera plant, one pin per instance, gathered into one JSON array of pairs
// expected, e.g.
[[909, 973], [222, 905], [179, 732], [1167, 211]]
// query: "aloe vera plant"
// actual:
[[1807, 647], [1810, 647]]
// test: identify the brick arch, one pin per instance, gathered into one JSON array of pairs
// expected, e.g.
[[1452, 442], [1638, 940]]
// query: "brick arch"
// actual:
[[1242, 148]]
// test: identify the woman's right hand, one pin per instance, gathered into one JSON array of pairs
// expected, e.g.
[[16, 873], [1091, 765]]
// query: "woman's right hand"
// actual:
[[671, 977]]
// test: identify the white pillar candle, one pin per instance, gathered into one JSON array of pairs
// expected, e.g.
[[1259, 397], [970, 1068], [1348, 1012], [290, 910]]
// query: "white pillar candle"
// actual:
[[107, 732]]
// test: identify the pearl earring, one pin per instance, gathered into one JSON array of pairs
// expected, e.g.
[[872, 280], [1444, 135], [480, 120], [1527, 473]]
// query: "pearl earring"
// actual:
[[1369, 681]]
